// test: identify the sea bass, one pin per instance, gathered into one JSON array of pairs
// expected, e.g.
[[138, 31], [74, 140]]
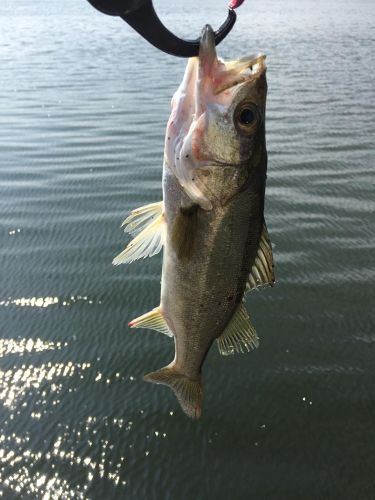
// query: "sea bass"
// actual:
[[211, 222]]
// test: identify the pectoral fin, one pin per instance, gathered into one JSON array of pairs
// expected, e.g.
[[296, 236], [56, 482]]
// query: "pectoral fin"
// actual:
[[239, 335], [184, 231], [153, 320], [262, 271], [139, 218], [147, 243]]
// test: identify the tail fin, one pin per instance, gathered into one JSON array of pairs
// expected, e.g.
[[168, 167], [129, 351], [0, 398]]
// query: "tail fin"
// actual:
[[187, 391]]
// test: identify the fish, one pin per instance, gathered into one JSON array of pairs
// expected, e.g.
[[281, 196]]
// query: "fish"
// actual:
[[210, 223]]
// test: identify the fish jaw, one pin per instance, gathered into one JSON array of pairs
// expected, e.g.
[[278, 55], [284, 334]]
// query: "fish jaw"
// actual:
[[201, 135]]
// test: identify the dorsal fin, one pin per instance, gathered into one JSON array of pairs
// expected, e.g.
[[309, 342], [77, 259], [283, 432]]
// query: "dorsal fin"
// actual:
[[239, 335], [147, 243], [262, 271], [139, 218], [154, 320]]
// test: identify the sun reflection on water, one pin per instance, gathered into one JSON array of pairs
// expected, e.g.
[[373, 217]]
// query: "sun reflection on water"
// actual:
[[16, 383], [12, 346], [43, 302], [31, 391], [19, 463]]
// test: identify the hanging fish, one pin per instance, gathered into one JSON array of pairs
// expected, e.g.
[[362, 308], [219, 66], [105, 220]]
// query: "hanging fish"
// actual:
[[210, 222]]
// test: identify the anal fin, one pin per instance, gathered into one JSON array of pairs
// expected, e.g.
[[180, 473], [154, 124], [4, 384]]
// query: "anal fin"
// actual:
[[153, 320], [239, 335], [262, 271]]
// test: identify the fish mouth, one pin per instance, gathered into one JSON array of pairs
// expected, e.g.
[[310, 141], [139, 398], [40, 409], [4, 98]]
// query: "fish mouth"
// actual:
[[216, 76]]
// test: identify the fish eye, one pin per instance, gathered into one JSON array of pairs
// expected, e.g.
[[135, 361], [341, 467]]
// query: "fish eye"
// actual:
[[246, 117]]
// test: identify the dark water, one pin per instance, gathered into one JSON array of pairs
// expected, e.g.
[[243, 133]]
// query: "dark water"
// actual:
[[83, 107]]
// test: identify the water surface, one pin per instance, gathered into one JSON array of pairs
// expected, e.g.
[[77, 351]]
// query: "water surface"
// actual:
[[83, 108]]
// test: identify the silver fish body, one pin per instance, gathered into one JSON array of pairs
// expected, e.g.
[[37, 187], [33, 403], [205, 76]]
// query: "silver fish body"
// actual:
[[211, 221], [200, 292]]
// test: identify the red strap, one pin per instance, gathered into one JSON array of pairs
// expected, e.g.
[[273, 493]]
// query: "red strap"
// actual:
[[233, 4]]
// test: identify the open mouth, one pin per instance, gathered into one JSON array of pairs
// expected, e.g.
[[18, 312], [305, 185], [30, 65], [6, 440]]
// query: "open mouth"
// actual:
[[216, 76], [241, 71]]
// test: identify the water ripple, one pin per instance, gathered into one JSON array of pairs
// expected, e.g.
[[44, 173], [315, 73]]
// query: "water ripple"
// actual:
[[83, 107]]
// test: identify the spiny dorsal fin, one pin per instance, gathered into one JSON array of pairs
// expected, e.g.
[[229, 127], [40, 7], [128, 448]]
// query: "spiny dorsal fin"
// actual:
[[239, 335], [153, 320], [262, 272], [184, 231], [147, 243], [139, 218]]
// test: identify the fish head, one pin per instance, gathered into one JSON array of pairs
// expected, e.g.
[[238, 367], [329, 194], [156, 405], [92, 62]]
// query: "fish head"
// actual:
[[216, 128]]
